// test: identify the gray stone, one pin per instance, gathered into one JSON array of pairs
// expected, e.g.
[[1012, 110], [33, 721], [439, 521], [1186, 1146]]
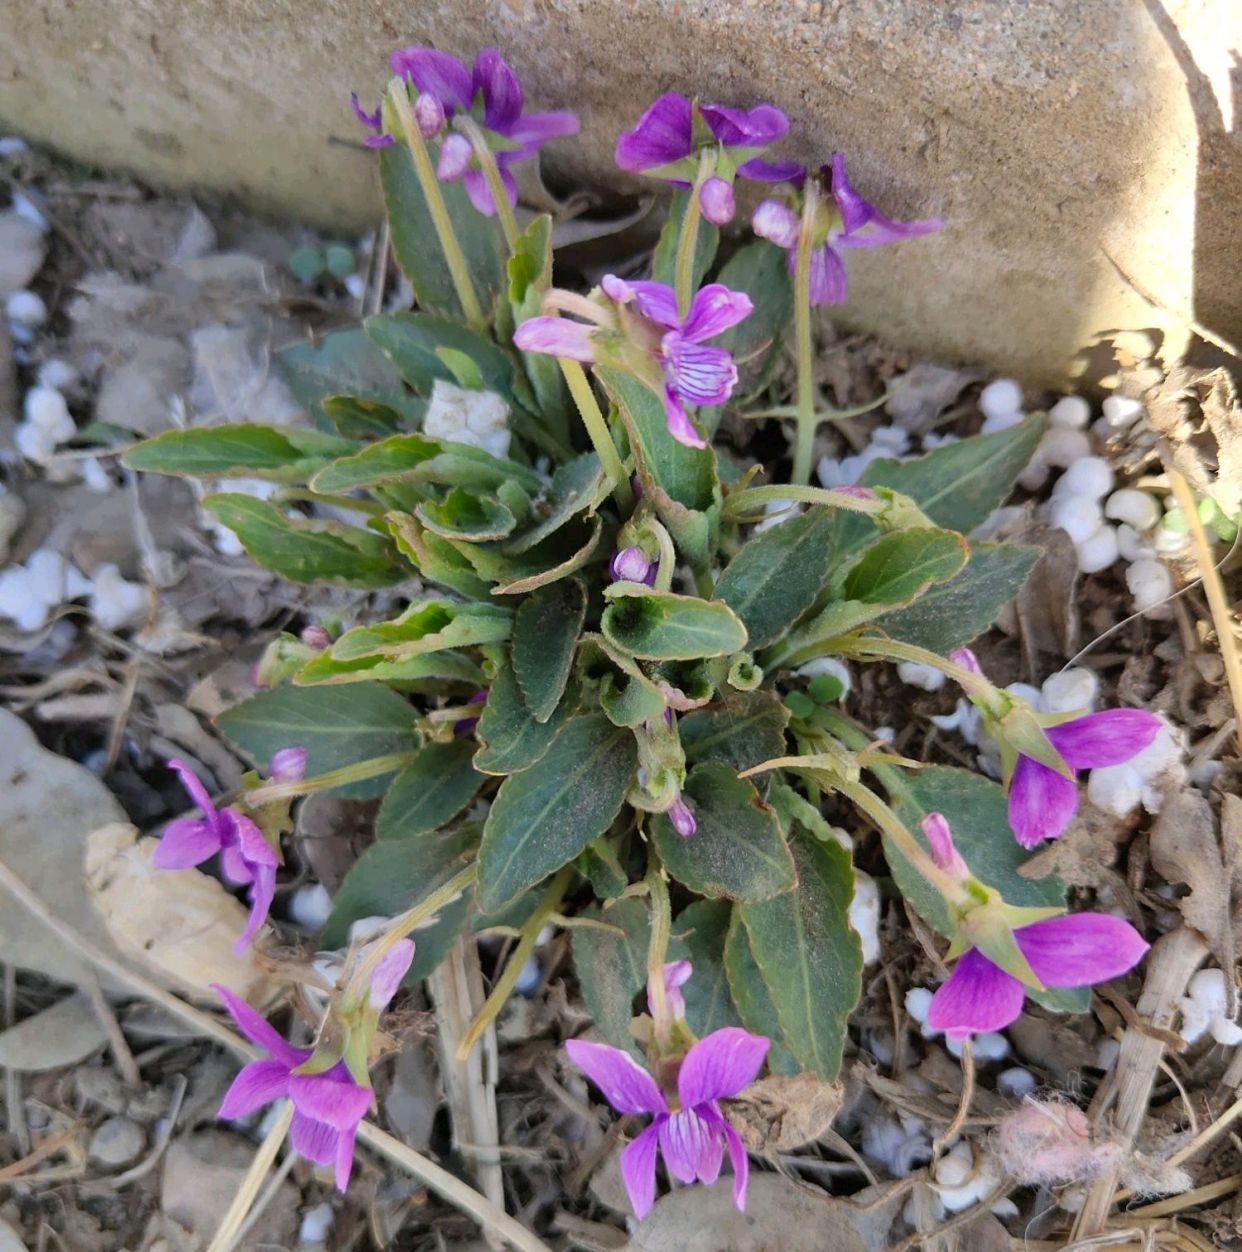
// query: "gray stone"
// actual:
[[1085, 157], [117, 1143]]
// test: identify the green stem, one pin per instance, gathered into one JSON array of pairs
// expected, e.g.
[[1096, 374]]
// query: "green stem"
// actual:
[[529, 936], [368, 507], [688, 238], [491, 172], [376, 767], [806, 422], [453, 255], [657, 949], [668, 555], [873, 647], [597, 429], [737, 501]]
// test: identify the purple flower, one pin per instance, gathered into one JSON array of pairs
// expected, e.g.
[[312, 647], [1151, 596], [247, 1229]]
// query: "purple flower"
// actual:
[[676, 975], [682, 819], [691, 373], [634, 566], [246, 857], [288, 765], [327, 1106], [491, 93], [665, 145], [856, 224], [372, 121], [467, 724], [692, 1134], [1074, 951]]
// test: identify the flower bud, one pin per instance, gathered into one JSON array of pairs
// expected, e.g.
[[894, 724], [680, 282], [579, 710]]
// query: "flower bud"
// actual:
[[716, 201], [455, 154], [966, 659], [855, 490], [676, 974], [776, 222], [632, 565], [429, 114], [315, 637], [682, 819], [289, 765], [387, 975], [940, 841]]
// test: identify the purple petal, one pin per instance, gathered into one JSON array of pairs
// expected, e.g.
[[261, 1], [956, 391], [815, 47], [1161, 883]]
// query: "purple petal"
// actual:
[[198, 793], [629, 565], [262, 893], [828, 283], [625, 1084], [332, 1097], [777, 222], [313, 1140], [371, 120], [679, 424], [700, 375], [481, 194], [940, 842], [967, 660], [251, 842], [691, 1147], [1081, 949], [235, 868], [288, 765], [1108, 738], [661, 136], [533, 130], [185, 842], [977, 996], [772, 171], [428, 115], [716, 201], [345, 1157], [1041, 802], [714, 309], [502, 93], [656, 301], [443, 76], [638, 1169], [676, 975], [556, 336], [681, 817], [720, 1065], [863, 224], [740, 1162], [259, 1083], [259, 1031], [454, 159], [387, 975], [378, 141], [747, 128]]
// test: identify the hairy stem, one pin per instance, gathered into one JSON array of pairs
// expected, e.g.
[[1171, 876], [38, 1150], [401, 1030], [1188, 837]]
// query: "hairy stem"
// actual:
[[597, 429], [805, 419], [491, 171], [688, 239], [657, 949], [668, 555], [738, 502], [376, 767], [873, 647]]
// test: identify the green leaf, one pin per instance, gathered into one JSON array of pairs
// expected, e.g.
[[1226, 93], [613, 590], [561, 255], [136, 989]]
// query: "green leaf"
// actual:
[[417, 247], [900, 566], [411, 672], [738, 851], [751, 997], [420, 346], [427, 625], [545, 633], [308, 551], [761, 270], [512, 739], [279, 454], [430, 792], [576, 487], [664, 262], [779, 574], [556, 557], [661, 626], [356, 417], [977, 812], [809, 957], [612, 967], [959, 484], [951, 615], [395, 875], [337, 728], [704, 927], [342, 362], [466, 516], [627, 696], [743, 730], [435, 558], [605, 872], [544, 816]]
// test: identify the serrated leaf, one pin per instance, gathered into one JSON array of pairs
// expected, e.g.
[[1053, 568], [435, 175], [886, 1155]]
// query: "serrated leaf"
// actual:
[[627, 696], [563, 553], [411, 673], [416, 245], [245, 450], [664, 260], [576, 487], [464, 515], [738, 851], [612, 967], [337, 728], [544, 816], [900, 566], [512, 739], [948, 616], [751, 999], [395, 875], [437, 560], [779, 574], [545, 634], [742, 730], [703, 928], [430, 791], [425, 348], [305, 550], [662, 626], [427, 625], [809, 957]]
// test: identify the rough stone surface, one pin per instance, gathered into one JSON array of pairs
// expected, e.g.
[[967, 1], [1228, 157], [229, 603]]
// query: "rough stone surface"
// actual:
[[118, 1142], [1085, 157]]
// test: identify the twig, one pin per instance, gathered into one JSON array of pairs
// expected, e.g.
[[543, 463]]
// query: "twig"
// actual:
[[51, 1145], [235, 1215], [963, 1105], [15, 1109], [268, 1195], [121, 1054], [1200, 1195]]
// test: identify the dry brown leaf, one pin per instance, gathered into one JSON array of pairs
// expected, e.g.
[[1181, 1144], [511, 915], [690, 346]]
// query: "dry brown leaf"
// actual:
[[782, 1112], [1047, 605], [180, 924]]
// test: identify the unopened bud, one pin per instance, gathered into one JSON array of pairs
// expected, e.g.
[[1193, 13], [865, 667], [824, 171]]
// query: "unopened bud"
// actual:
[[632, 565], [429, 114], [289, 765], [455, 154], [776, 222], [316, 637], [940, 841], [716, 201], [966, 659], [682, 819]]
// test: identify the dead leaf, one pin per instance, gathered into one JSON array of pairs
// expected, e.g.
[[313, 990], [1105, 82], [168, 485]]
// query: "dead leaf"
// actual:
[[1047, 605], [180, 924], [916, 398], [782, 1112], [780, 1214], [64, 1034], [177, 723]]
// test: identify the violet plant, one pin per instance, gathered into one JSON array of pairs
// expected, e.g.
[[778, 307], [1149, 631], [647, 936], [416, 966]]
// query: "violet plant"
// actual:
[[602, 700]]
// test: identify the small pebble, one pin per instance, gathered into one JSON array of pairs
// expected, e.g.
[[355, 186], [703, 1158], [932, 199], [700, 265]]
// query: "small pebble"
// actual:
[[118, 1142], [1070, 412], [1121, 411], [310, 906], [95, 476]]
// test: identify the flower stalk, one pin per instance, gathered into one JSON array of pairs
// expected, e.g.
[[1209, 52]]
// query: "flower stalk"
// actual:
[[688, 239], [597, 429], [491, 171], [805, 420], [657, 951], [376, 767]]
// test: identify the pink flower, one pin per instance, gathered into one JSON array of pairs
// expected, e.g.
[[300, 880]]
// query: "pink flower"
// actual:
[[691, 1134], [246, 857], [1078, 950], [633, 565], [682, 819]]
